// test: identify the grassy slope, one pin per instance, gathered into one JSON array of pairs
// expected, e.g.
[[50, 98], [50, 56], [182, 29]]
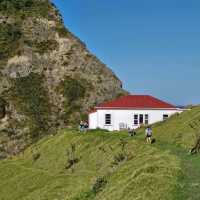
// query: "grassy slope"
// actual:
[[177, 129], [160, 171], [177, 136]]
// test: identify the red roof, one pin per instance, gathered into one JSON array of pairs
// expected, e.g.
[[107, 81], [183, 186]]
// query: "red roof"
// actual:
[[137, 102]]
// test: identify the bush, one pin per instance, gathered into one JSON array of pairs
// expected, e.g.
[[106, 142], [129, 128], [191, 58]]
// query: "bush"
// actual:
[[2, 108], [45, 46], [32, 99], [62, 31], [99, 185], [71, 163], [123, 144], [71, 157], [15, 4], [36, 156], [73, 91], [25, 7], [9, 40], [120, 157]]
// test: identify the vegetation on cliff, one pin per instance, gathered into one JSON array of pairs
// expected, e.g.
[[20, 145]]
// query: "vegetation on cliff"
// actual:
[[30, 97], [25, 8], [48, 78], [9, 40]]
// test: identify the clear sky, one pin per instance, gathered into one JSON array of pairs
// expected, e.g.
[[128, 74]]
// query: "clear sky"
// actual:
[[152, 45]]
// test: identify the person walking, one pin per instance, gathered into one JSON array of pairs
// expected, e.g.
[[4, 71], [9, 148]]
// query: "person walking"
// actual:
[[131, 132], [86, 126], [81, 126], [148, 134]]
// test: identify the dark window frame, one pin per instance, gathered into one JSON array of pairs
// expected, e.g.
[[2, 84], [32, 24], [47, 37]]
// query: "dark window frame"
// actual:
[[136, 119], [141, 119], [165, 116], [108, 119], [146, 119]]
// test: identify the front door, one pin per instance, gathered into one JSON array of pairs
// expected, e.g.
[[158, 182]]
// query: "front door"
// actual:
[[141, 119]]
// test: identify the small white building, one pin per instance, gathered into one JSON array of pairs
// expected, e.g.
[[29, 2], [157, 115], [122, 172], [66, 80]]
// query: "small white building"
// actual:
[[130, 111]]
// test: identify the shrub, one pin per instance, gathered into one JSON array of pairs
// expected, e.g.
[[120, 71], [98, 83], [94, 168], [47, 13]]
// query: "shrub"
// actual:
[[45, 46], [31, 99], [123, 144], [25, 7], [2, 108], [36, 156], [9, 40], [62, 31], [73, 91], [118, 158], [99, 185], [71, 157], [123, 155], [15, 4], [71, 163]]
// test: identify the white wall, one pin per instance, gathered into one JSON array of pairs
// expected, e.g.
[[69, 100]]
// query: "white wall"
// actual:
[[93, 120], [97, 119]]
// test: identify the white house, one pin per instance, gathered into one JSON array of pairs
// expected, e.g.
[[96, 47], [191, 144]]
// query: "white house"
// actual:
[[130, 111]]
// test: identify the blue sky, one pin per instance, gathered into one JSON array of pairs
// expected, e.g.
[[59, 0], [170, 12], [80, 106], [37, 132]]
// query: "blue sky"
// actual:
[[153, 46]]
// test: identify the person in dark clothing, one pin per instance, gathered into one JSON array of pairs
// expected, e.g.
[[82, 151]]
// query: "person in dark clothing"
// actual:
[[131, 132], [81, 126], [86, 126]]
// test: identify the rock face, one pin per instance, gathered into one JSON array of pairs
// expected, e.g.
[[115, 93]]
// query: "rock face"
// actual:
[[48, 78]]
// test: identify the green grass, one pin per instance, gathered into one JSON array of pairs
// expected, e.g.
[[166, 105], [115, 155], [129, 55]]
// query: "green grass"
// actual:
[[162, 171], [178, 135], [177, 130]]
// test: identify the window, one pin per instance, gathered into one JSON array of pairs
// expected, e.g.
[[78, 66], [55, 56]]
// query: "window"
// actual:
[[141, 119], [135, 119], [165, 117], [146, 119], [108, 119]]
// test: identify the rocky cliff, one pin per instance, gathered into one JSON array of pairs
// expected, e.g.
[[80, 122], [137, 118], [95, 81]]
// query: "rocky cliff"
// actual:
[[48, 78]]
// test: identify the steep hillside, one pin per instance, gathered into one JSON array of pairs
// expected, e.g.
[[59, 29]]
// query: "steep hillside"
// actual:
[[48, 78], [178, 135], [107, 166], [181, 129]]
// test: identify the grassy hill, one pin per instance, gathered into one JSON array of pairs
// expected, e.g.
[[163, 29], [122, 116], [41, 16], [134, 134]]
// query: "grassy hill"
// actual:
[[112, 166]]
